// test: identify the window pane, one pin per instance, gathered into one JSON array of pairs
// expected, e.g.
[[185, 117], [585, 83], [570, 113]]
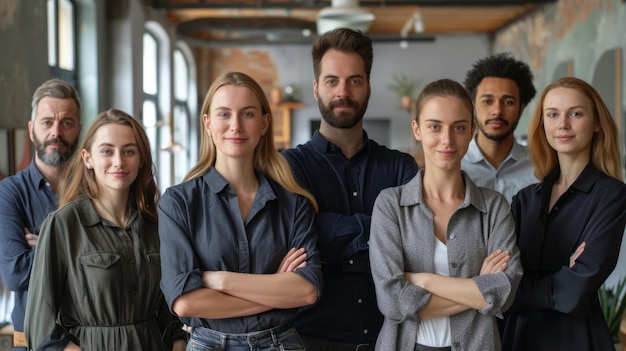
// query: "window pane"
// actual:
[[181, 76], [149, 119], [52, 33], [150, 54], [181, 136], [66, 35], [164, 159]]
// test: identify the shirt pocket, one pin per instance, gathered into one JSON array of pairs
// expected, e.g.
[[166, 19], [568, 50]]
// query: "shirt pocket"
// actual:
[[154, 266], [102, 272]]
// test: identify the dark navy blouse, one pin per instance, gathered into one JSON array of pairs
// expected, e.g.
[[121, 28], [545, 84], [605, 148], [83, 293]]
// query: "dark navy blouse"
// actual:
[[201, 229]]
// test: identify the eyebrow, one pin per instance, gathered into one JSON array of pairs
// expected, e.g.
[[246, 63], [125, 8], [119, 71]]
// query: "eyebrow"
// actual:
[[506, 96], [111, 145], [454, 122], [229, 108], [349, 77]]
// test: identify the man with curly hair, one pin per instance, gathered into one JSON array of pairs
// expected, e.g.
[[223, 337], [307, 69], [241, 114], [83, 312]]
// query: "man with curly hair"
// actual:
[[501, 88]]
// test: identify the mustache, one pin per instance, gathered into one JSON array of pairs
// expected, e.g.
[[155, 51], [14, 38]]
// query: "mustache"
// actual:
[[56, 141], [343, 102], [498, 119]]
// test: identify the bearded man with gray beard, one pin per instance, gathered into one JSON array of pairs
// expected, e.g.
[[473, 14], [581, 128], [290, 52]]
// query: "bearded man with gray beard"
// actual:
[[28, 196]]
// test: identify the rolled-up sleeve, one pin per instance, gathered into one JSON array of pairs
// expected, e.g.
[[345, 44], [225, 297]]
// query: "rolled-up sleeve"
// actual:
[[499, 289]]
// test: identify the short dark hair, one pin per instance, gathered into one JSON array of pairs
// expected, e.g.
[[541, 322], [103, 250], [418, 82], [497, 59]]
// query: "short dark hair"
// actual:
[[502, 65], [344, 40]]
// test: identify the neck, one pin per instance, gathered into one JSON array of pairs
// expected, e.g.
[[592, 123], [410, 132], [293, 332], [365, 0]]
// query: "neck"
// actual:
[[238, 173], [495, 151], [348, 140], [570, 169], [113, 208], [443, 185], [51, 174]]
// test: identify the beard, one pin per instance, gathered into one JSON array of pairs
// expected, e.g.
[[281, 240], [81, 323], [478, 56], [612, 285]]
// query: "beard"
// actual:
[[501, 136], [344, 119], [54, 158]]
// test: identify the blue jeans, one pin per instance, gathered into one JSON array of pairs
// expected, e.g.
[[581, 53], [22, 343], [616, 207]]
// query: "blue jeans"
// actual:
[[281, 338]]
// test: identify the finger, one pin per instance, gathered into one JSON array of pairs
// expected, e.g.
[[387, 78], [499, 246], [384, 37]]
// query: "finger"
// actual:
[[297, 262]]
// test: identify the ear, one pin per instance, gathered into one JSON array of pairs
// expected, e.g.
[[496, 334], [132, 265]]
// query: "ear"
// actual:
[[30, 131], [86, 158], [315, 89], [416, 130], [206, 121]]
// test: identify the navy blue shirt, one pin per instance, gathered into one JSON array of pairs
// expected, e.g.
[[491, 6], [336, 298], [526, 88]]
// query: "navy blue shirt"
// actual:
[[25, 200], [201, 229], [345, 190]]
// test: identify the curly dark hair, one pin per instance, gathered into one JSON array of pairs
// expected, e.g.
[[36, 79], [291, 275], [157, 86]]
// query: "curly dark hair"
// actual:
[[502, 65]]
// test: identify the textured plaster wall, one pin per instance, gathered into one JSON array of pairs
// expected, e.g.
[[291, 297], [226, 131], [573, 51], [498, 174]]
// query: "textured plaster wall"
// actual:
[[24, 59], [580, 31]]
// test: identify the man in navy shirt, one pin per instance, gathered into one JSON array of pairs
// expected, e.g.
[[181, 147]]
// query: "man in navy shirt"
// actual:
[[345, 171], [28, 196]]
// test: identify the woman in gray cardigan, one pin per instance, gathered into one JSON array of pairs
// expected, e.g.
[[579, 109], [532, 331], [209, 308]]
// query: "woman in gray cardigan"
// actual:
[[442, 250]]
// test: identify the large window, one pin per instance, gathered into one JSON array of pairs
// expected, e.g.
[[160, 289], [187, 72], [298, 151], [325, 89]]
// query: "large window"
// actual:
[[62, 39], [182, 116]]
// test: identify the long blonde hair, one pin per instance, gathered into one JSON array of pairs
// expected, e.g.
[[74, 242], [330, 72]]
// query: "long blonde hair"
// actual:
[[267, 160], [79, 180], [605, 146]]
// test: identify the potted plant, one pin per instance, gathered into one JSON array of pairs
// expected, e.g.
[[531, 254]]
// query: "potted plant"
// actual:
[[404, 87], [613, 304]]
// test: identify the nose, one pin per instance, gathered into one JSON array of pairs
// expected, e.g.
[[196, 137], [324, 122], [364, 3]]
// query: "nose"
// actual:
[[56, 129], [497, 109], [446, 136], [235, 123], [563, 122], [117, 159], [343, 89]]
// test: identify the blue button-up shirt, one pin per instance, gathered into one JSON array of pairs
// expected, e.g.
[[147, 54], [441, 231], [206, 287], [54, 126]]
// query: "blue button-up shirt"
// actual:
[[513, 174], [345, 190], [201, 229], [25, 200]]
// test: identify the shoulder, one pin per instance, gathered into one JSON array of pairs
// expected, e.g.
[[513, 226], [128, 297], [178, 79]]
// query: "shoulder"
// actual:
[[299, 152]]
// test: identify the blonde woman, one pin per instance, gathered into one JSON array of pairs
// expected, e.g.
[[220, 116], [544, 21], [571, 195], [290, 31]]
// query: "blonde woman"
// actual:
[[238, 240]]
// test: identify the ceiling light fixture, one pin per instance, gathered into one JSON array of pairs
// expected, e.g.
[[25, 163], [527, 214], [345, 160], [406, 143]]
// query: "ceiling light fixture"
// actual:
[[344, 13]]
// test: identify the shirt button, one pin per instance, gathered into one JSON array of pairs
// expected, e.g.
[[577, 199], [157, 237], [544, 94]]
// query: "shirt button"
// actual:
[[351, 262], [355, 194], [365, 331], [451, 236], [359, 300]]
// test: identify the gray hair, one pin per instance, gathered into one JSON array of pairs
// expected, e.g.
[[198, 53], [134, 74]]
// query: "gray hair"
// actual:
[[54, 88]]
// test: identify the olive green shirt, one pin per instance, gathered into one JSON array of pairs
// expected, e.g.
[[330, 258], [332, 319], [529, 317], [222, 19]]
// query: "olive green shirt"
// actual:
[[95, 283]]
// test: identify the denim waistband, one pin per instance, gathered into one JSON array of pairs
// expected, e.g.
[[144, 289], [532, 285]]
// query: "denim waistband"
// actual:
[[270, 336], [420, 347]]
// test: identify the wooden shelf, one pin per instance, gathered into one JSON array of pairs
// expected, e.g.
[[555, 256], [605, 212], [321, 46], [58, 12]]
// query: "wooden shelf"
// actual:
[[282, 122]]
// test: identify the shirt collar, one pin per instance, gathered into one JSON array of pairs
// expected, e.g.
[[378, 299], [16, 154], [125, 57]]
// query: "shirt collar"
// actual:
[[323, 146], [217, 184], [89, 216], [583, 183], [474, 155], [35, 176], [413, 193]]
